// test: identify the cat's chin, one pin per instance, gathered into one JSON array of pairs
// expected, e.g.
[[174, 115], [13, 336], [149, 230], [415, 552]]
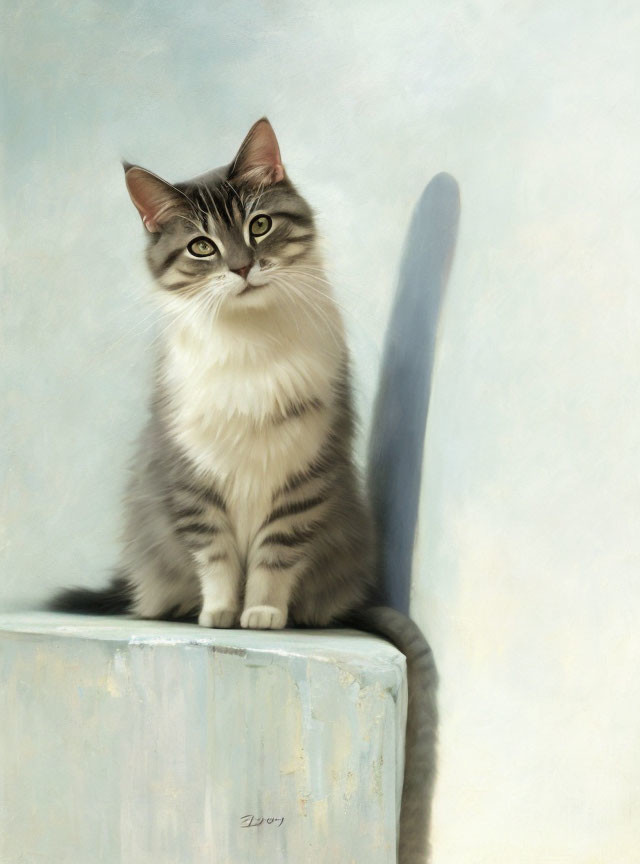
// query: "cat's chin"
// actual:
[[253, 296], [250, 288]]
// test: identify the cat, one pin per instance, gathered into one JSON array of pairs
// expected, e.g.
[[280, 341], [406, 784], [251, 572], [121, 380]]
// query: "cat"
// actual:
[[245, 507]]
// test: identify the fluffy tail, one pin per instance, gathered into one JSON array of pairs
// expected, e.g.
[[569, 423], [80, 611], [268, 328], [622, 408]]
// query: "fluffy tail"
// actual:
[[422, 725], [115, 599]]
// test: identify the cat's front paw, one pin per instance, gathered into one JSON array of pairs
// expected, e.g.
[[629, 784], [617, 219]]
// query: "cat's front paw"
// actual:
[[220, 616], [263, 618]]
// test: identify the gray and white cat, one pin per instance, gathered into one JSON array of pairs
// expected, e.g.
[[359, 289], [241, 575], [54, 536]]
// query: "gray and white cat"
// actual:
[[245, 507]]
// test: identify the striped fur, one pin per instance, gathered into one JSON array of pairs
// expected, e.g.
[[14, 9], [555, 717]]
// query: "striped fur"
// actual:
[[245, 507]]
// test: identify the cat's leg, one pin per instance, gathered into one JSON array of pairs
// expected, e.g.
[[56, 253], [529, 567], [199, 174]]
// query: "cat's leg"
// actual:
[[269, 589], [160, 569], [220, 574], [202, 524], [277, 561], [162, 590]]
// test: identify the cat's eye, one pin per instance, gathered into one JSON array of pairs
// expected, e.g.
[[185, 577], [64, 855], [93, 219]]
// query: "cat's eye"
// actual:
[[202, 247], [260, 226]]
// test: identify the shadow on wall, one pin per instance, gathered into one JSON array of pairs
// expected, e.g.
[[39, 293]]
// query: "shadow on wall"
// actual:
[[400, 412]]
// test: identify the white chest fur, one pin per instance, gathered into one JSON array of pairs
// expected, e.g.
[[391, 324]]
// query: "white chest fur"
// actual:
[[232, 386]]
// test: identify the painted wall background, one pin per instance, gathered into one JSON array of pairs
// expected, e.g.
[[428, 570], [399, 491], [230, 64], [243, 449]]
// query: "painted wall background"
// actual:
[[527, 563]]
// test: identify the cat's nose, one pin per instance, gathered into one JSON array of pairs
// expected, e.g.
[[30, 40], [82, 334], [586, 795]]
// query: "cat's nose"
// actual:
[[242, 271]]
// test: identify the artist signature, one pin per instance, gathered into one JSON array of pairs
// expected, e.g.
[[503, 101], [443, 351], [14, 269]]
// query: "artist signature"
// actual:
[[250, 821]]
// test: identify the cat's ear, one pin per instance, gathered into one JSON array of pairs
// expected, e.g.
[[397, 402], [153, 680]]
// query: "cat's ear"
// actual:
[[155, 200], [258, 160]]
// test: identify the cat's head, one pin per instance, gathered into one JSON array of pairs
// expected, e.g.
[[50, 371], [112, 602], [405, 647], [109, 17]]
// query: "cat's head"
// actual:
[[239, 236]]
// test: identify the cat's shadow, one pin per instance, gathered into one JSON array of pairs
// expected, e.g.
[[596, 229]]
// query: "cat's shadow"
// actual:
[[400, 413], [396, 450]]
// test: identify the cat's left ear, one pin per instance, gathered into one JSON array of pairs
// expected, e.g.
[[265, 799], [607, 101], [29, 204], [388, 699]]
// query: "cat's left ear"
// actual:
[[258, 160]]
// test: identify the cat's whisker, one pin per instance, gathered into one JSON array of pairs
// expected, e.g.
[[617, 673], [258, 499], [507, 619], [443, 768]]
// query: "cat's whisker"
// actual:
[[344, 286], [307, 307], [138, 330], [347, 312], [308, 280]]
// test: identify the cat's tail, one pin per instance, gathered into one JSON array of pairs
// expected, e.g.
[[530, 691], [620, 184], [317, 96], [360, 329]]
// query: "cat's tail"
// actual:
[[115, 599], [422, 725]]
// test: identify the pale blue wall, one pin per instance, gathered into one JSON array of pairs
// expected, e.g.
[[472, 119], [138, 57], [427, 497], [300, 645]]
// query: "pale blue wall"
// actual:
[[528, 553]]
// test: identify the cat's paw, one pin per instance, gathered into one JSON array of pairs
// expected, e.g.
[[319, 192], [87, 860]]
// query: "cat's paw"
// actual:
[[219, 616], [263, 618]]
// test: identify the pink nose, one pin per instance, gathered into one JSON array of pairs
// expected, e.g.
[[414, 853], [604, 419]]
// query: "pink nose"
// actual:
[[242, 271]]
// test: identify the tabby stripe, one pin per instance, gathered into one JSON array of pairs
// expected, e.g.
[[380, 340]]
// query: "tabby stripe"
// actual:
[[223, 211], [196, 545], [198, 199], [168, 261], [297, 409], [294, 508], [187, 512], [217, 205], [300, 238], [278, 564], [197, 528], [311, 472], [296, 218], [219, 556], [211, 496], [295, 538]]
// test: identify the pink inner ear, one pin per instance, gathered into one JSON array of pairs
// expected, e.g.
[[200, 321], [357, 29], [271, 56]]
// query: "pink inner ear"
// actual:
[[259, 156], [153, 198]]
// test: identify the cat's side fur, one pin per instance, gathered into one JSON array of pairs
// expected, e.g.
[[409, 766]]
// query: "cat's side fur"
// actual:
[[244, 507]]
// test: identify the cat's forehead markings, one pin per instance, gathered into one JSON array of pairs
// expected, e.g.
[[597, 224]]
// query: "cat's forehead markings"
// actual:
[[237, 211], [219, 207], [225, 215], [201, 206], [217, 229]]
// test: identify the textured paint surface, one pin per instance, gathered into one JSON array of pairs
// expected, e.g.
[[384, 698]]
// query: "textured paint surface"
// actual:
[[139, 742]]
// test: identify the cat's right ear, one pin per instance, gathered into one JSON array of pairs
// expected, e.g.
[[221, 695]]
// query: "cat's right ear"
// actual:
[[155, 200]]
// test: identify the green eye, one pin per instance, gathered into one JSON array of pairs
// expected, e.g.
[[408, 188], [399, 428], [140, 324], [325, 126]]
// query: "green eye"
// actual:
[[260, 225], [202, 247]]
